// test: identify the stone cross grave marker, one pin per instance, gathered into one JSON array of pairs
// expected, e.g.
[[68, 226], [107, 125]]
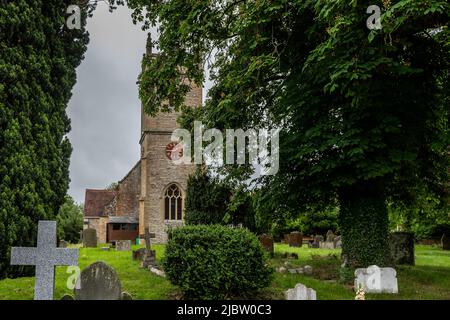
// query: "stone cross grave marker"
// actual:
[[45, 257], [149, 255]]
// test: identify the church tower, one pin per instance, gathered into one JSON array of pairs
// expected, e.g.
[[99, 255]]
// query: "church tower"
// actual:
[[163, 183]]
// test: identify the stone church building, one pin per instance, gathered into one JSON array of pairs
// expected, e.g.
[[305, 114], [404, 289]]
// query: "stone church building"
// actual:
[[152, 194]]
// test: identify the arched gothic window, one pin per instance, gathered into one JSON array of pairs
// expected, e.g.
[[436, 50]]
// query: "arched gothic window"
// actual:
[[173, 203]]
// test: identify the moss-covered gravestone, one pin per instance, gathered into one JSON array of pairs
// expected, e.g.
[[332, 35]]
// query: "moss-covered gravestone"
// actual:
[[402, 248], [267, 243], [99, 281], [90, 238], [295, 239]]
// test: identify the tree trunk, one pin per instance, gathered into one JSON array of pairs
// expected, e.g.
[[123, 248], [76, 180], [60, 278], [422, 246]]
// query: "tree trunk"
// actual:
[[364, 224]]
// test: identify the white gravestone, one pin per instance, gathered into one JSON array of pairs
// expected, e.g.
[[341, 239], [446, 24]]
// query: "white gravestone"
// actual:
[[301, 292], [45, 257], [376, 280]]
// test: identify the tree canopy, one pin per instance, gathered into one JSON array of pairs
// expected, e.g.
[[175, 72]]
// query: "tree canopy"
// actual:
[[363, 113], [38, 57], [70, 221]]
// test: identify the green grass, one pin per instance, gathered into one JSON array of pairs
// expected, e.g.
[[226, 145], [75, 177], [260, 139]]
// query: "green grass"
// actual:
[[428, 279], [140, 283]]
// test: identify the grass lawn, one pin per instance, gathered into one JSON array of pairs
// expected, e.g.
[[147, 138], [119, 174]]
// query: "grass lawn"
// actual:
[[140, 283], [429, 279]]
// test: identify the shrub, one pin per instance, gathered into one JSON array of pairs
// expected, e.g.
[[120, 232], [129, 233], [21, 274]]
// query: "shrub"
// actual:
[[216, 262]]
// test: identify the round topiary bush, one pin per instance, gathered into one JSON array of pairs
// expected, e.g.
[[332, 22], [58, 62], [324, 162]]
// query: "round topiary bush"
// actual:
[[216, 262]]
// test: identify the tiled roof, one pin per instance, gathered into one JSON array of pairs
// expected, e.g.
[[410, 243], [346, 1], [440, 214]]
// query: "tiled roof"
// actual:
[[116, 219], [96, 201]]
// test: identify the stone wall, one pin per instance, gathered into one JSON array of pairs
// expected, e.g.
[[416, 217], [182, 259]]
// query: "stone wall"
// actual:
[[99, 224], [161, 173], [165, 121], [158, 172]]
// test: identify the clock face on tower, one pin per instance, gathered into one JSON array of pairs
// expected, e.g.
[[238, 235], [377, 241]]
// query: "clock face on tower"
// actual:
[[174, 151]]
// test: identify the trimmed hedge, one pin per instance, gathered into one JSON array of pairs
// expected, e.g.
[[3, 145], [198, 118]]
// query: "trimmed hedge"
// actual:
[[216, 262]]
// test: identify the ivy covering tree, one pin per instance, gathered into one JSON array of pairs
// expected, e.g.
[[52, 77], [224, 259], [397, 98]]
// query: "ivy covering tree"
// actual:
[[38, 57], [363, 113]]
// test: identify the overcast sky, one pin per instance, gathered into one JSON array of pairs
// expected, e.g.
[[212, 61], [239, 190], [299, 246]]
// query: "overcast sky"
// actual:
[[105, 109]]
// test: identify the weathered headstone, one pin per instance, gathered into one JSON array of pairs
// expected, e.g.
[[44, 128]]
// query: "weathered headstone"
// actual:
[[376, 280], [326, 245], [308, 269], [98, 281], [62, 244], [316, 241], [123, 245], [329, 241], [337, 242], [445, 241], [90, 238], [300, 292], [402, 247], [45, 257], [330, 236], [295, 239], [149, 254], [138, 254], [126, 296], [286, 238], [267, 243]]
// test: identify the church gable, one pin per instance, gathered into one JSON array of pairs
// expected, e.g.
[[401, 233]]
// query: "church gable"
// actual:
[[128, 193]]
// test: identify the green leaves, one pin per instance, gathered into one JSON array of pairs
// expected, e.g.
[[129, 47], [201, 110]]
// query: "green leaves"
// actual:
[[38, 57], [206, 199], [353, 104], [216, 262], [70, 221]]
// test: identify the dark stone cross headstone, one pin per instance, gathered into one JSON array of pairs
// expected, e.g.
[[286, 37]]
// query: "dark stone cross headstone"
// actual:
[[45, 257], [149, 255]]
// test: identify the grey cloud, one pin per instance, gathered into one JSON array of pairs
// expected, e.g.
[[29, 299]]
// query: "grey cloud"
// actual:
[[105, 109]]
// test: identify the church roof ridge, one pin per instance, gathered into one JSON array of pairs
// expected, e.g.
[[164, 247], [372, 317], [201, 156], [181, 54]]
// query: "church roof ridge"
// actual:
[[129, 172], [96, 200]]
